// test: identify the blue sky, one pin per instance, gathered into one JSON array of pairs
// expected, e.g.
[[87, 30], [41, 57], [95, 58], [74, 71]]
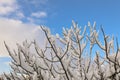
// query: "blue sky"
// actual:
[[19, 19]]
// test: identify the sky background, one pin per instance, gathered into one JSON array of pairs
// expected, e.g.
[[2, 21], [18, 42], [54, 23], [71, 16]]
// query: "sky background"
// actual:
[[20, 19]]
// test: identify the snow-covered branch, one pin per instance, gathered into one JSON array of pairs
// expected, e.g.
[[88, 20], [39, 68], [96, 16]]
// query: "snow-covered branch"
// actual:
[[70, 57]]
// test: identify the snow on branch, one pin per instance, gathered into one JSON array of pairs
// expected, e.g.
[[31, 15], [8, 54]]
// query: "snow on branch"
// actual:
[[70, 57]]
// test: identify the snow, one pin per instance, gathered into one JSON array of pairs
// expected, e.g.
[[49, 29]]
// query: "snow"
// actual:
[[66, 62]]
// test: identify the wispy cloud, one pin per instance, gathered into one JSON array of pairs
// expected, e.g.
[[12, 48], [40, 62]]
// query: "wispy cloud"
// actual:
[[7, 7], [39, 14], [20, 15], [40, 2]]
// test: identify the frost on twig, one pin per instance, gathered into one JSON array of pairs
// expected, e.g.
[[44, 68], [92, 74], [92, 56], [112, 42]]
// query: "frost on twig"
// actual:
[[70, 57]]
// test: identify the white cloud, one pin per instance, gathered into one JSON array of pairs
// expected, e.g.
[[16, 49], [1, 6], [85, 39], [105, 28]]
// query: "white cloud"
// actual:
[[7, 6], [38, 2], [5, 10], [39, 14], [30, 19], [7, 2], [15, 31], [20, 15]]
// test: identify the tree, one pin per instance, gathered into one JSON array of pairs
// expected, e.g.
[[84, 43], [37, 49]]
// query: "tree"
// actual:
[[70, 57]]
